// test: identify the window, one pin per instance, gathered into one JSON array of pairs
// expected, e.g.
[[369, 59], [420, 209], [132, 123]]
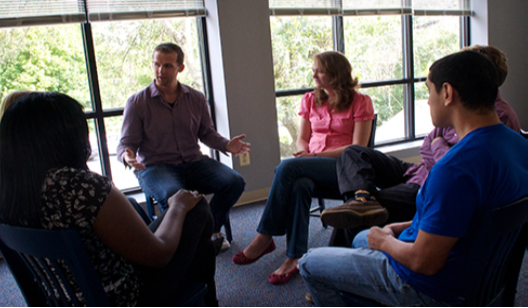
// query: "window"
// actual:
[[45, 58], [296, 41], [123, 52], [99, 56], [390, 44], [433, 38]]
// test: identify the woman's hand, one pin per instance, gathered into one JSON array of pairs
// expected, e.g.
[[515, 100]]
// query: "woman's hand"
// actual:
[[303, 153], [185, 200]]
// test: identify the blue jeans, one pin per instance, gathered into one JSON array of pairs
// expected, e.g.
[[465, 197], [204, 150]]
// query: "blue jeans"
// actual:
[[360, 271], [287, 210], [206, 175]]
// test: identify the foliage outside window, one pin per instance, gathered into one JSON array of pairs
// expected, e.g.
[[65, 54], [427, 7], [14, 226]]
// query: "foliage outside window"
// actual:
[[295, 41], [46, 58]]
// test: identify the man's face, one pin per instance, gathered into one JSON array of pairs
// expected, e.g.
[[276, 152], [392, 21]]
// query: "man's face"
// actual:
[[166, 68], [436, 104]]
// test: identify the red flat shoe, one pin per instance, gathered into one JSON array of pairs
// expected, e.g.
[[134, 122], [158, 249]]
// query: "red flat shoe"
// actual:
[[282, 278], [241, 259]]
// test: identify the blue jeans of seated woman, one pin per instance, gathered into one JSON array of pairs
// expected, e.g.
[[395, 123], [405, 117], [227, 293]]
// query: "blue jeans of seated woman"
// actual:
[[287, 210], [360, 271], [206, 175]]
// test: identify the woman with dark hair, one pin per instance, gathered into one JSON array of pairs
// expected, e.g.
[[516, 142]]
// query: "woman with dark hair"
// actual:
[[333, 117], [45, 183]]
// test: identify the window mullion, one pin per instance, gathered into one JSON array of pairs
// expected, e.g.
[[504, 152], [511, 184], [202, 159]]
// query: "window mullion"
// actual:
[[206, 73], [95, 94], [408, 74], [464, 31], [338, 33]]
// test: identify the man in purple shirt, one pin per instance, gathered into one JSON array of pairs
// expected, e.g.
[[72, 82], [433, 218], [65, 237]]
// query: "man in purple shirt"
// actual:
[[159, 140], [375, 184]]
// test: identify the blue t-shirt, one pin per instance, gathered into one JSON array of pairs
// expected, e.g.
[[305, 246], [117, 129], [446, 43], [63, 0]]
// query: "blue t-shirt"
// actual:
[[487, 168]]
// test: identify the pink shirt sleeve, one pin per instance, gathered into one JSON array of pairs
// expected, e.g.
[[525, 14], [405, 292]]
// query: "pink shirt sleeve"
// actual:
[[306, 105], [362, 108]]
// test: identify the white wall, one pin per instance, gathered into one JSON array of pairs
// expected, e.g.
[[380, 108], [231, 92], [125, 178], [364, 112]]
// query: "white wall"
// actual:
[[243, 86], [503, 24]]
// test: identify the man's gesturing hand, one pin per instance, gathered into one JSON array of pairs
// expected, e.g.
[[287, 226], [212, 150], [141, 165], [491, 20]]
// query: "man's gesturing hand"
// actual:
[[237, 146], [130, 159]]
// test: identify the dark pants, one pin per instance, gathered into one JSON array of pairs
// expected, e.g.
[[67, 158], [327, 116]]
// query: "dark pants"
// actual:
[[287, 210], [206, 176], [193, 262], [382, 175]]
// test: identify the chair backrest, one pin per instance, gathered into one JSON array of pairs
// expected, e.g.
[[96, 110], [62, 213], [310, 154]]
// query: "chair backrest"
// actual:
[[40, 260], [373, 132], [524, 134], [497, 247]]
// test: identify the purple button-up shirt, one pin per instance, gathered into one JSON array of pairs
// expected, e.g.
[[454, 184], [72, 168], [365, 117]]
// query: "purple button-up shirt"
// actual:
[[432, 153], [161, 133]]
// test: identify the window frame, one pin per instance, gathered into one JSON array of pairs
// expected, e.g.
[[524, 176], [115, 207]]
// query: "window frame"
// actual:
[[408, 80]]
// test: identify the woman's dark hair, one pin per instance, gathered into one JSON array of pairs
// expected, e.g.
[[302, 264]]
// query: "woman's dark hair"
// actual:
[[39, 132], [471, 74]]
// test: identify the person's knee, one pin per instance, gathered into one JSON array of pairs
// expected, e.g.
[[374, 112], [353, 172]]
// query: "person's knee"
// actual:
[[286, 166], [303, 186], [237, 183], [354, 150], [310, 263], [361, 240], [200, 213]]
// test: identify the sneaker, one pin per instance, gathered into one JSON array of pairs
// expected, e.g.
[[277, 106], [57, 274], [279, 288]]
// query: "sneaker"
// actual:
[[225, 245], [220, 242], [355, 214]]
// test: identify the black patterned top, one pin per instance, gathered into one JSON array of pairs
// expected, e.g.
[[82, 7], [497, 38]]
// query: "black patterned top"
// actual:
[[71, 198]]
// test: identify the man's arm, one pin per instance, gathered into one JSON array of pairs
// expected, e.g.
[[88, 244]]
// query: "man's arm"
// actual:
[[434, 146], [131, 133], [206, 132], [398, 227], [427, 255]]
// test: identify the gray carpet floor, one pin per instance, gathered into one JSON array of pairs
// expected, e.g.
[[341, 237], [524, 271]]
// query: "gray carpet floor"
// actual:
[[247, 286]]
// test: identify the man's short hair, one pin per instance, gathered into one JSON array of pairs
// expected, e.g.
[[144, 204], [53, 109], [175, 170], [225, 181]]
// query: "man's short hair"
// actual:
[[169, 48], [471, 74]]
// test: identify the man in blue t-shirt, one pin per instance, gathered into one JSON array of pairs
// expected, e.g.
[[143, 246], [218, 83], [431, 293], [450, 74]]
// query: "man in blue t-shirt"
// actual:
[[419, 262]]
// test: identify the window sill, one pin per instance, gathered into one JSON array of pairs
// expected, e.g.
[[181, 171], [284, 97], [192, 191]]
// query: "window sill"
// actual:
[[408, 151]]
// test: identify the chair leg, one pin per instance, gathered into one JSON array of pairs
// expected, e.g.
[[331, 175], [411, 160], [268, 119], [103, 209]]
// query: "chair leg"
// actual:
[[150, 206], [227, 227], [321, 209]]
